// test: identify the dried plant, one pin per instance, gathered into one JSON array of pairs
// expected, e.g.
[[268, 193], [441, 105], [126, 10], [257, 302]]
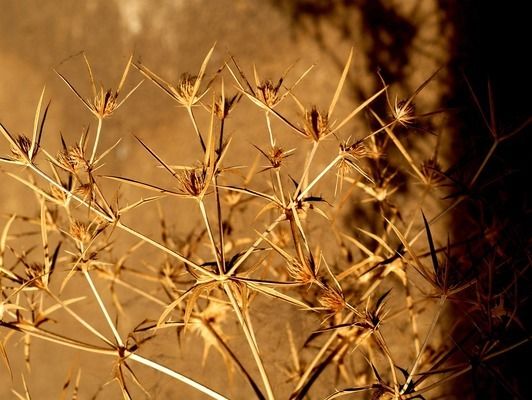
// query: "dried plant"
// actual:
[[394, 307]]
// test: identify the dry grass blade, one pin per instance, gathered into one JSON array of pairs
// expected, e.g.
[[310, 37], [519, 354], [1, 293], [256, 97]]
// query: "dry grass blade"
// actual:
[[145, 185], [3, 240], [401, 148], [361, 107], [38, 126], [173, 374], [4, 355], [201, 72], [71, 87], [419, 266], [166, 166], [348, 391], [379, 240], [432, 249], [340, 84], [271, 292]]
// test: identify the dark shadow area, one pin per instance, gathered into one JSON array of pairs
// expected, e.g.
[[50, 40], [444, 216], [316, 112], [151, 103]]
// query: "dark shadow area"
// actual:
[[490, 53], [487, 85]]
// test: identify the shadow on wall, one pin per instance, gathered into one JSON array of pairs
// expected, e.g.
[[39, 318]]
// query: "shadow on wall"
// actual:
[[482, 46]]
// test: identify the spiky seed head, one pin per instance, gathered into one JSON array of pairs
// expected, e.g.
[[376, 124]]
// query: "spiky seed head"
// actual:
[[303, 273], [224, 105], [73, 159], [105, 103], [268, 93], [316, 124], [57, 193], [34, 273], [84, 190], [356, 149], [22, 150], [193, 181], [404, 112], [332, 300], [184, 89], [431, 170], [277, 155], [80, 231]]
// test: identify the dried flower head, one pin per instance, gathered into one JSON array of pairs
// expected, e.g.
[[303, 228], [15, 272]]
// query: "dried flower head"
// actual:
[[84, 190], [431, 170], [22, 149], [301, 272], [35, 273], [224, 105], [184, 90], [404, 112], [104, 102], [268, 92], [73, 159], [57, 193], [193, 181], [356, 149], [316, 124], [276, 155], [80, 231], [332, 300]]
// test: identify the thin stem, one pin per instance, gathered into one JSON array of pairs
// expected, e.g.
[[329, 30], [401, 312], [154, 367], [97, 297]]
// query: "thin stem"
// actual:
[[314, 362], [102, 307], [58, 339], [428, 336], [96, 140], [318, 177], [307, 166], [211, 236], [318, 356], [235, 359], [269, 125], [196, 129], [255, 244], [250, 339], [176, 375], [165, 249], [484, 162], [220, 224], [54, 338], [79, 319], [280, 185]]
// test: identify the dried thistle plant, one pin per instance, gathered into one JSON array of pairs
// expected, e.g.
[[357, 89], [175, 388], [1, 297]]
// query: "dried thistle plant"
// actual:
[[358, 261]]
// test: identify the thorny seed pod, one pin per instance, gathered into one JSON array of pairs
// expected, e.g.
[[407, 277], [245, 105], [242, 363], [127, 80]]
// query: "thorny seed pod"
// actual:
[[73, 159], [224, 105], [301, 273], [332, 300], [193, 181], [404, 112], [57, 193], [84, 190], [316, 124], [356, 149], [431, 170], [276, 155], [34, 273], [269, 93], [21, 152], [80, 231], [105, 103], [184, 89]]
